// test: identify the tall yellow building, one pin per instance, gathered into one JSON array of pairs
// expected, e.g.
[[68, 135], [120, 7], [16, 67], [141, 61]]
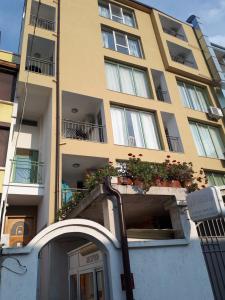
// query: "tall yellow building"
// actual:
[[99, 80], [127, 78]]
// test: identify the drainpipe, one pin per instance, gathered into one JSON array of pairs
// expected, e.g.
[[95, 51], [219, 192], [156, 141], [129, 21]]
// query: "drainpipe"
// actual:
[[57, 155], [127, 277]]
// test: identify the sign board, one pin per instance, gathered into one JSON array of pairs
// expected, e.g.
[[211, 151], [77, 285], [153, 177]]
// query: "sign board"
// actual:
[[206, 204]]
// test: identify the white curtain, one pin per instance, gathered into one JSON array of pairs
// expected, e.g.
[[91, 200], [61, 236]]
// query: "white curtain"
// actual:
[[217, 141], [184, 95], [193, 97], [197, 139], [112, 77], [126, 80], [103, 11], [134, 129], [141, 84], [134, 47], [128, 19], [119, 126], [202, 98], [207, 141], [150, 131], [108, 40]]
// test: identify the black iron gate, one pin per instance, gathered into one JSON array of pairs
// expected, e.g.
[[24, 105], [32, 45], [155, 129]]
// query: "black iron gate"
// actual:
[[212, 235]]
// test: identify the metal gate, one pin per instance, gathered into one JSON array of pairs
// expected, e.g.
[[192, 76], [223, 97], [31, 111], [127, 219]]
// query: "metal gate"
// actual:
[[212, 236]]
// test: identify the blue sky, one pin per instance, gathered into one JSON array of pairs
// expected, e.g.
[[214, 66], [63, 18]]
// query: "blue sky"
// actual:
[[211, 12]]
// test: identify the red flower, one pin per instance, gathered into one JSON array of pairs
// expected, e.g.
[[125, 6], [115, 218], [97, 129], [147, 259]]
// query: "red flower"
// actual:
[[110, 162], [203, 186], [168, 156], [140, 155], [174, 161], [133, 156], [130, 154]]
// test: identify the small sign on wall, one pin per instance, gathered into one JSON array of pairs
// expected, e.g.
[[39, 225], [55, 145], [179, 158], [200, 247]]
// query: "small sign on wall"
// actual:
[[207, 203]]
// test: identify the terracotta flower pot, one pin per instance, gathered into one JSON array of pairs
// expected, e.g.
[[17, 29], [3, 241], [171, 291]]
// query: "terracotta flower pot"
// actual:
[[168, 183], [125, 181]]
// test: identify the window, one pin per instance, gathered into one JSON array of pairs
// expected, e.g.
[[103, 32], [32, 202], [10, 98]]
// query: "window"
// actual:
[[134, 128], [193, 96], [125, 79], [116, 13], [4, 137], [207, 140], [6, 86], [215, 178], [121, 42]]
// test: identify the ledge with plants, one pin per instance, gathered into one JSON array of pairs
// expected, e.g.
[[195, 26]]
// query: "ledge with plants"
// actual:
[[142, 175]]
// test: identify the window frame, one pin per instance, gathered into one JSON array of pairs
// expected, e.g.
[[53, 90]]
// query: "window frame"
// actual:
[[212, 141], [146, 77], [122, 10], [212, 174], [189, 98], [126, 131], [127, 37]]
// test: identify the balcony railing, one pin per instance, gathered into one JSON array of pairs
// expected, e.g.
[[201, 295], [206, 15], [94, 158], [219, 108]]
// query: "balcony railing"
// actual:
[[182, 60], [83, 131], [162, 95], [174, 143], [42, 23], [41, 66], [173, 32], [73, 194], [26, 171]]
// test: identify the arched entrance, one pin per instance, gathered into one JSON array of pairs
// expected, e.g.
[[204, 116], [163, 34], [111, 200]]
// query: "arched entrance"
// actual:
[[78, 230]]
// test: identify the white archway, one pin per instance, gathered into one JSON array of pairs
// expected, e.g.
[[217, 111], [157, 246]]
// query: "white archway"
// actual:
[[24, 286]]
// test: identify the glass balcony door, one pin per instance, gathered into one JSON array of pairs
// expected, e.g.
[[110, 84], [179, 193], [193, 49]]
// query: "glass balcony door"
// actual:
[[25, 166]]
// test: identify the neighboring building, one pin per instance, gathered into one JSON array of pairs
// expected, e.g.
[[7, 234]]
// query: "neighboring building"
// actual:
[[111, 78], [9, 66]]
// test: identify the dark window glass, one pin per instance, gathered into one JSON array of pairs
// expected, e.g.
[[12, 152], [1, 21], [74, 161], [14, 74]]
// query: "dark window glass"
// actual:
[[6, 86], [4, 137]]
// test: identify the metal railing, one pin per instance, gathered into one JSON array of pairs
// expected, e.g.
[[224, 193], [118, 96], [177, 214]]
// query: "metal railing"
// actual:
[[42, 23], [41, 66], [73, 194], [162, 95], [83, 131], [173, 32], [27, 172], [174, 143], [182, 60]]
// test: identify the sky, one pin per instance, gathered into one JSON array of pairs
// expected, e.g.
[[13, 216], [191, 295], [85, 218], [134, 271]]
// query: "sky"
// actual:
[[211, 13]]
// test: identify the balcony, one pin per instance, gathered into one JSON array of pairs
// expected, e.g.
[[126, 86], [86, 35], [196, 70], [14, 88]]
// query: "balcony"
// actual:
[[42, 16], [182, 55], [40, 66], [83, 118], [173, 28], [172, 132], [40, 56], [160, 85], [83, 131], [27, 172]]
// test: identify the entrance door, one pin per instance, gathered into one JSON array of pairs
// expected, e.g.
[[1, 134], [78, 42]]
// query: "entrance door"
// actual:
[[87, 291], [212, 235]]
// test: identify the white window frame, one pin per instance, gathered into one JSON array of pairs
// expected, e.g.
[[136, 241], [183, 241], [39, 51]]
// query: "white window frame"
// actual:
[[133, 81], [202, 142], [127, 37], [142, 132], [190, 100], [122, 13]]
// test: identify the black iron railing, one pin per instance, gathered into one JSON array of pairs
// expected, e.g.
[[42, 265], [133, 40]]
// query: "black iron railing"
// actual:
[[42, 23], [41, 66], [174, 143], [83, 131]]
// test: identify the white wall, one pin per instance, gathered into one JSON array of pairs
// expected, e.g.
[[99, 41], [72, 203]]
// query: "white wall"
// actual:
[[29, 137]]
